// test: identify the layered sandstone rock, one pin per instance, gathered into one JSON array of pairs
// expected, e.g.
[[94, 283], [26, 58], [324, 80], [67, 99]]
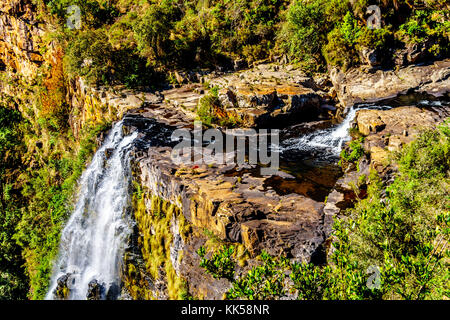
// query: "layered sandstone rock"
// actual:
[[270, 95]]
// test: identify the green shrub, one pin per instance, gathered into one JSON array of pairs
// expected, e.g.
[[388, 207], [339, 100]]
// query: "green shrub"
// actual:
[[13, 279], [401, 233], [311, 281], [91, 56], [304, 33], [94, 13], [153, 29], [206, 109], [428, 26]]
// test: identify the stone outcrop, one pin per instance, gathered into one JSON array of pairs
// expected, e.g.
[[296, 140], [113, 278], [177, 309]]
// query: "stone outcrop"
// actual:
[[357, 86], [242, 210]]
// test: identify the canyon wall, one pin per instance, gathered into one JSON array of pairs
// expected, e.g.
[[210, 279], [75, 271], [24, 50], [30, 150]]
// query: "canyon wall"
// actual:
[[178, 209]]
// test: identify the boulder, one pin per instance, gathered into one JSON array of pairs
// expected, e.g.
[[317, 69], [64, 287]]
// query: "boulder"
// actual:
[[96, 290], [371, 57]]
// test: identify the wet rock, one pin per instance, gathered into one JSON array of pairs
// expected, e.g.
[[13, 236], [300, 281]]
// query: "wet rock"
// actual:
[[108, 153], [150, 131], [113, 292], [96, 290]]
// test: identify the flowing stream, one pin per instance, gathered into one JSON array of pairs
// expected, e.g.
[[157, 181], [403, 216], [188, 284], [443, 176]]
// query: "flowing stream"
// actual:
[[94, 239], [330, 139]]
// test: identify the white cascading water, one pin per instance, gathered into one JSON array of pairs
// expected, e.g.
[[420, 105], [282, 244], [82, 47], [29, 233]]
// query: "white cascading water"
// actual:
[[94, 239], [330, 139]]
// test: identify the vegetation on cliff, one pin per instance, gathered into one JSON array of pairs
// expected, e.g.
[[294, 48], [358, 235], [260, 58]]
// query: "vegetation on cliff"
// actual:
[[140, 44], [153, 262], [392, 245]]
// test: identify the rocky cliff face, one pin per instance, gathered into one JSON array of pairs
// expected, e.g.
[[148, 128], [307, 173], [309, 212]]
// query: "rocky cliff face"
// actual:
[[186, 207], [20, 37]]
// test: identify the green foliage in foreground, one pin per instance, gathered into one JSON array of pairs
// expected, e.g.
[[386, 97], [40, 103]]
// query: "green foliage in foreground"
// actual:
[[265, 281], [391, 245], [354, 152]]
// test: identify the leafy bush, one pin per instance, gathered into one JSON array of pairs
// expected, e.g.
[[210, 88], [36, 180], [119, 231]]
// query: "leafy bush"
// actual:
[[402, 232], [221, 264], [206, 110], [311, 281], [94, 13], [153, 30], [91, 56], [304, 33], [13, 279], [428, 26]]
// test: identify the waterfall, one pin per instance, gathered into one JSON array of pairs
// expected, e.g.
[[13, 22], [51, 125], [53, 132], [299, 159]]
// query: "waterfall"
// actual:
[[94, 239], [330, 139]]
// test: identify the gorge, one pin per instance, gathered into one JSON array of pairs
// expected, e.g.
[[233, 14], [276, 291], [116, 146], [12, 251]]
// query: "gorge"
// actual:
[[93, 206]]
